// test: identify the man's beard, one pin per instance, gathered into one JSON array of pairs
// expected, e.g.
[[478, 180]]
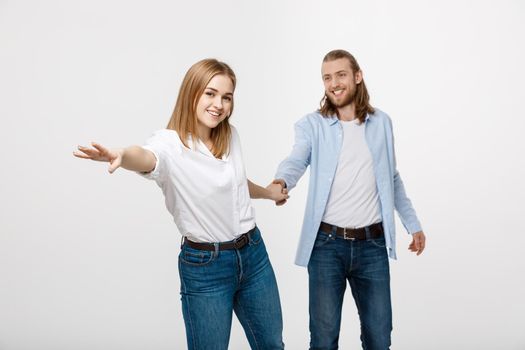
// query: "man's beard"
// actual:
[[348, 99]]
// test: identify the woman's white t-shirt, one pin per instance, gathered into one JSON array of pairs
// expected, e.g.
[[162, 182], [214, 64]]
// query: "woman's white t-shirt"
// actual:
[[208, 197]]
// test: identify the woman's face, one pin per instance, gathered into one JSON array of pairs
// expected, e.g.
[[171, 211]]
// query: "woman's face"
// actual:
[[215, 103]]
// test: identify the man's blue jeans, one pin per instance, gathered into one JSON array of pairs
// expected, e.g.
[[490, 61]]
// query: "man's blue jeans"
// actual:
[[364, 264], [213, 284]]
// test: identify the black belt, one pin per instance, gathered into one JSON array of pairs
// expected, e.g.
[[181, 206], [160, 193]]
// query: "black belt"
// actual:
[[374, 231], [237, 243]]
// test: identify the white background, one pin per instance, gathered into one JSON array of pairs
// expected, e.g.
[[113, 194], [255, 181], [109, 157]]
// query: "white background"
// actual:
[[89, 261]]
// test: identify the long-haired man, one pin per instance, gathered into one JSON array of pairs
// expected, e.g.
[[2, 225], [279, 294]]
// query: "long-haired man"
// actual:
[[348, 230]]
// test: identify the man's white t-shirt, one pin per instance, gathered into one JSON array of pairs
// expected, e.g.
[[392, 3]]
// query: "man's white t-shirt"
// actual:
[[208, 197], [353, 200]]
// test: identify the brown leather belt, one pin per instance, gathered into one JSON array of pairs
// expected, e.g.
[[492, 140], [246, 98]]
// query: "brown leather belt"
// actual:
[[374, 231], [237, 243]]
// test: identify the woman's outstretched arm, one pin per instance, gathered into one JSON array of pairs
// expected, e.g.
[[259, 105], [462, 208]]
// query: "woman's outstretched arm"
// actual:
[[134, 158]]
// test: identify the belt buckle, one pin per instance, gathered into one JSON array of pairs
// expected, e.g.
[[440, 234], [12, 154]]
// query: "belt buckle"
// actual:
[[346, 237], [241, 242]]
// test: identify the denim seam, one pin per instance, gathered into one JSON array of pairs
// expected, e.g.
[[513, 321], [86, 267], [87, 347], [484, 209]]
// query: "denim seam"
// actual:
[[183, 285], [239, 263], [358, 303], [373, 241], [248, 323], [202, 255]]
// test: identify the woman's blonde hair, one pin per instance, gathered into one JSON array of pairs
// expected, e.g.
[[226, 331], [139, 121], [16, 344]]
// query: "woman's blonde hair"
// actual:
[[184, 117]]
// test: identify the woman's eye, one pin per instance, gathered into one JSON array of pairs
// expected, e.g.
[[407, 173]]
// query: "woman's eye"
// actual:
[[227, 98], [209, 93]]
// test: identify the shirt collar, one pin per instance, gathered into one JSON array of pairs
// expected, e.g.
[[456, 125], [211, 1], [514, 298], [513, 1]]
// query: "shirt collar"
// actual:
[[333, 119]]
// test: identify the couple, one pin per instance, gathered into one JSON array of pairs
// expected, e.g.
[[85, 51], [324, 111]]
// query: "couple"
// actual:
[[348, 229]]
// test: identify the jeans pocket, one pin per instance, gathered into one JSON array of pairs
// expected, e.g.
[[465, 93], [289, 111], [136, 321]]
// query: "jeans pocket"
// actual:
[[322, 239], [378, 242], [196, 257], [255, 237]]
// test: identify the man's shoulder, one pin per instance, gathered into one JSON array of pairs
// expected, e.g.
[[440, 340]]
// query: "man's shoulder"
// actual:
[[314, 119], [380, 118], [380, 115]]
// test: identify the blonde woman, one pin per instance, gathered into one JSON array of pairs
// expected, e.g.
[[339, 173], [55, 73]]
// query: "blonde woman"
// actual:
[[197, 162]]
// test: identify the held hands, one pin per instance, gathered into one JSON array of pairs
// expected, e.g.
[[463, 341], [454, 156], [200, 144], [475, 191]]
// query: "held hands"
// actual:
[[283, 189], [278, 193], [418, 243], [101, 154]]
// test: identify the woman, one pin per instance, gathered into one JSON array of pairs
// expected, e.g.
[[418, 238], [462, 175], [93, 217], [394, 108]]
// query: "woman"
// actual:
[[197, 161]]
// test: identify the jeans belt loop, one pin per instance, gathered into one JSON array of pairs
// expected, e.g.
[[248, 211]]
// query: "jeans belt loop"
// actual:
[[367, 232]]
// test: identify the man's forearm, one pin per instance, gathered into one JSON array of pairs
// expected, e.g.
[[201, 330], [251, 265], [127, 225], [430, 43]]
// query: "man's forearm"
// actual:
[[404, 207]]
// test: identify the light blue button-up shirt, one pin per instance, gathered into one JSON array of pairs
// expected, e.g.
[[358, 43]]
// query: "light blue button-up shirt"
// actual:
[[318, 143]]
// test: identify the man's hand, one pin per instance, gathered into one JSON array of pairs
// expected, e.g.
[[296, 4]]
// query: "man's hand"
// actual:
[[277, 193], [418, 243], [284, 190]]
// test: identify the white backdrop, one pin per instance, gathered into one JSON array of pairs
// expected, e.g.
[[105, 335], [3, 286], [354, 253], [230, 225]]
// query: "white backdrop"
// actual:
[[89, 260]]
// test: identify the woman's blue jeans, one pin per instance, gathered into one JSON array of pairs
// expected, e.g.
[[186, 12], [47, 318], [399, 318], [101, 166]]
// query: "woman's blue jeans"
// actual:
[[364, 264], [213, 284]]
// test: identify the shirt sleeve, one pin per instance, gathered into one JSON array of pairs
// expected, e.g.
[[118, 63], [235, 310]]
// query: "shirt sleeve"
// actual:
[[293, 167], [158, 144], [402, 203]]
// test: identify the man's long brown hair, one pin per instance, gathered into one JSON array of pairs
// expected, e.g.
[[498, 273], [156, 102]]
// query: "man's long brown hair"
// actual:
[[361, 99], [184, 117]]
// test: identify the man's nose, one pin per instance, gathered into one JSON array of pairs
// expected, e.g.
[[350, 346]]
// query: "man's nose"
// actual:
[[333, 83]]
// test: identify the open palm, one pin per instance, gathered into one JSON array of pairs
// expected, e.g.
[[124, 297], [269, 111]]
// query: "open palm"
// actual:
[[101, 154]]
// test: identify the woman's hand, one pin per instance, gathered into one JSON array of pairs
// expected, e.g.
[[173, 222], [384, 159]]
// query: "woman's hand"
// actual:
[[101, 154]]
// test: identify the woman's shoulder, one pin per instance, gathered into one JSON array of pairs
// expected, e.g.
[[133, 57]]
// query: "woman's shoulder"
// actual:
[[167, 135], [164, 139]]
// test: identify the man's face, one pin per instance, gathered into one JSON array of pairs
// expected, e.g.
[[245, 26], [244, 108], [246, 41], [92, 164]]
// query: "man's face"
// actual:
[[340, 83]]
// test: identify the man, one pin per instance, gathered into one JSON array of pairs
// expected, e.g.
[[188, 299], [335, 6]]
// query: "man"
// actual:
[[348, 230]]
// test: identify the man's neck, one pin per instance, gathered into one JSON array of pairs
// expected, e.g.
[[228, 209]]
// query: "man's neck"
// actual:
[[346, 113]]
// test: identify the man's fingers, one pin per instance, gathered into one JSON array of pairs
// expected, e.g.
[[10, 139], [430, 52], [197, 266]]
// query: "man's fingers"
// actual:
[[419, 243], [279, 182], [421, 246]]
